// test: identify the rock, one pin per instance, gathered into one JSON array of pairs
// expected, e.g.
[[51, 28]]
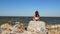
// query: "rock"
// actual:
[[37, 26]]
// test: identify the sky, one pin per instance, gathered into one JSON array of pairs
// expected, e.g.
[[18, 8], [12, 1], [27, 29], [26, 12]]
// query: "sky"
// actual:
[[49, 8]]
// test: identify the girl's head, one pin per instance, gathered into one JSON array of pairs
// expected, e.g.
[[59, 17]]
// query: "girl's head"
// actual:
[[36, 13]]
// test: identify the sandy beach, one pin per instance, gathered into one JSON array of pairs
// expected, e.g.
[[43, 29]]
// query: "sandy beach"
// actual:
[[53, 29]]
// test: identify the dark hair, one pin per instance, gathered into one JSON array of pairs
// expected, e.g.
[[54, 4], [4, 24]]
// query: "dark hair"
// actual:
[[36, 13]]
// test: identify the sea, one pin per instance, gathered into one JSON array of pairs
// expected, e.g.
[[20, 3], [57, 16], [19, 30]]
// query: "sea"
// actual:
[[26, 19]]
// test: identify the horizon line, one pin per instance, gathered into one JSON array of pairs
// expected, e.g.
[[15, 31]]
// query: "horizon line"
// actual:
[[29, 16]]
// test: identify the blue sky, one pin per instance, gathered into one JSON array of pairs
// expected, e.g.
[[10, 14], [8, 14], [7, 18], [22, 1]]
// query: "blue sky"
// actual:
[[28, 7]]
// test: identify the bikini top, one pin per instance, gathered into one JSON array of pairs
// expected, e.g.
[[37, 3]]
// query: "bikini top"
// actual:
[[36, 18]]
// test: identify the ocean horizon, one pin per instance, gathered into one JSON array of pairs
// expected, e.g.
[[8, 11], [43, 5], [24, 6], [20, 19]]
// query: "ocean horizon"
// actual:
[[26, 19]]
